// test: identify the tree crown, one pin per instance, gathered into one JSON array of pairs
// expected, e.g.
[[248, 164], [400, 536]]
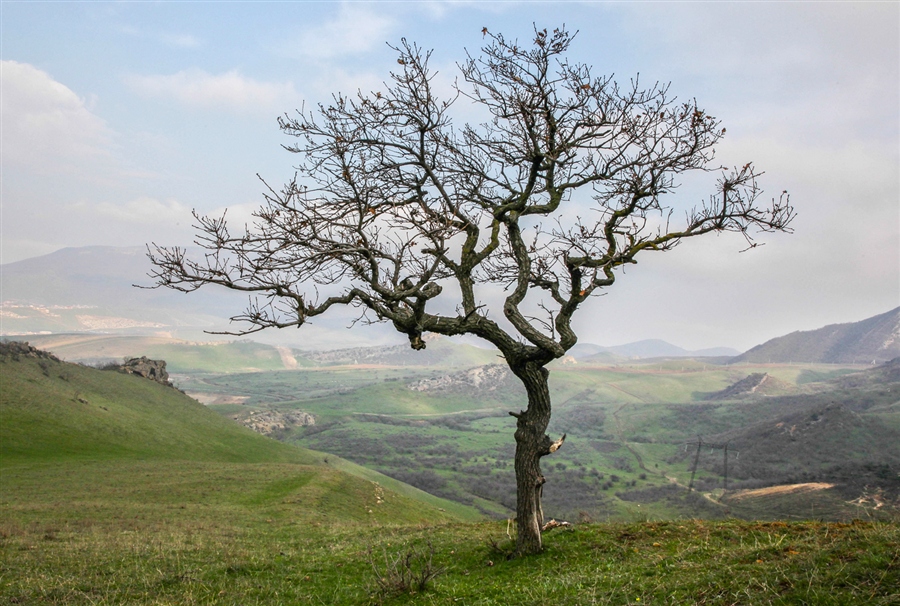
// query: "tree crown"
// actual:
[[395, 204]]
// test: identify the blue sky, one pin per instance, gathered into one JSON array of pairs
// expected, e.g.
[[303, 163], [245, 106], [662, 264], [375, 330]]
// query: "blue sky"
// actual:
[[119, 118]]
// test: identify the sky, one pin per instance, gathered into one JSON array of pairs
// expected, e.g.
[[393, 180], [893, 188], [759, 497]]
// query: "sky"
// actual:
[[119, 118]]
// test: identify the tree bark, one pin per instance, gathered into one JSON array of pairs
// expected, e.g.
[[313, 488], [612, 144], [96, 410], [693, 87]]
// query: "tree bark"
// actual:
[[532, 443]]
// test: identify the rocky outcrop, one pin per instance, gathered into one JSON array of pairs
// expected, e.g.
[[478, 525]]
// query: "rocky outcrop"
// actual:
[[744, 387], [268, 422], [155, 370], [21, 349], [481, 380]]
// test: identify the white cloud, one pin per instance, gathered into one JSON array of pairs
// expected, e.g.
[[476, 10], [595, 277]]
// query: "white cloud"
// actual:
[[355, 30], [181, 40], [145, 210], [46, 126], [231, 90], [347, 83]]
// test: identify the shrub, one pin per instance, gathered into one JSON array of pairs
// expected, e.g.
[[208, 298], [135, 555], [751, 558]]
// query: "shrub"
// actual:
[[406, 572]]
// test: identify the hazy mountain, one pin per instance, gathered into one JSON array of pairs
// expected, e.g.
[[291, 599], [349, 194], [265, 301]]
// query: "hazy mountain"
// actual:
[[91, 289], [648, 348], [873, 340]]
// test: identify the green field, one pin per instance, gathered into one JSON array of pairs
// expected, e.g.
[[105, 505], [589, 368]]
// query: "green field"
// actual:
[[631, 430], [118, 490], [226, 534]]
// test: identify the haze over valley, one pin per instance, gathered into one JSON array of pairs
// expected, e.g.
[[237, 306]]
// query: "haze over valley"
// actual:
[[438, 419]]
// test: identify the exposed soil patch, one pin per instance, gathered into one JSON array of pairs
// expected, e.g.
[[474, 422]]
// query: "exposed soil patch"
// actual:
[[779, 490], [218, 398]]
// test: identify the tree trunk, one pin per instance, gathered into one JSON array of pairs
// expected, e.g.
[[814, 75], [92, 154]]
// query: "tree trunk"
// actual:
[[532, 443]]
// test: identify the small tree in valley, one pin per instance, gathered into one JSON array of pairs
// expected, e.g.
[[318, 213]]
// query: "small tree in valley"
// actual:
[[398, 210]]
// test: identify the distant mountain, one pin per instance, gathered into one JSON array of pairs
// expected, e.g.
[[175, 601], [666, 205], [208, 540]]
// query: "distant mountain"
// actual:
[[869, 341], [648, 348], [91, 289]]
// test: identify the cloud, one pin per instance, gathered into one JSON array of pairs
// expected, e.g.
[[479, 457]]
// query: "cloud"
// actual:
[[46, 126], [181, 40], [197, 88], [355, 30], [145, 210]]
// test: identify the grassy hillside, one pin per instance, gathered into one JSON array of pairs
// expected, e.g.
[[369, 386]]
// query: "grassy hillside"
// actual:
[[59, 411], [66, 426]]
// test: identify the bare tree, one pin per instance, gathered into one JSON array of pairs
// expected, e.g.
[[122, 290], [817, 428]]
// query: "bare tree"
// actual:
[[392, 206]]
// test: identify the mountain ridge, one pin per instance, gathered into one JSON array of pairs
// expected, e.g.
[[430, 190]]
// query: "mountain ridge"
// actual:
[[870, 341]]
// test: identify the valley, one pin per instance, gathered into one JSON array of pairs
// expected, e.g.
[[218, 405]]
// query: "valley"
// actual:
[[441, 423], [117, 489]]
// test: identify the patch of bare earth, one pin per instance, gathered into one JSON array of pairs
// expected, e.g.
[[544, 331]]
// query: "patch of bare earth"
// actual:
[[782, 489], [287, 358], [217, 398]]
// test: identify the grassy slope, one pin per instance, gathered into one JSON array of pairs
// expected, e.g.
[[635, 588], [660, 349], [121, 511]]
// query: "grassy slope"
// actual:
[[63, 423]]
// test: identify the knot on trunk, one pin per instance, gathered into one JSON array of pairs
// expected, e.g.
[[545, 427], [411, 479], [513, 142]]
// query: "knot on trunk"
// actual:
[[415, 339], [548, 446]]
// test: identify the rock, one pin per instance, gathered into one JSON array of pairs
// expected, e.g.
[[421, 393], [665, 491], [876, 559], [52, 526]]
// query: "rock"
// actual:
[[268, 422], [155, 370], [21, 349], [481, 380]]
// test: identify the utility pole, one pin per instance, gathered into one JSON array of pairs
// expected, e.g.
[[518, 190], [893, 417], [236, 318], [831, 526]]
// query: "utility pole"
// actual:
[[694, 466], [724, 448]]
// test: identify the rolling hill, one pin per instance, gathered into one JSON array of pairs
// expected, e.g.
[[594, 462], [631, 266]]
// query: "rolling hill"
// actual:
[[97, 431]]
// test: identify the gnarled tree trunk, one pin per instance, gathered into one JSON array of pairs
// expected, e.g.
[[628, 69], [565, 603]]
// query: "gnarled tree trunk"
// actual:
[[532, 443]]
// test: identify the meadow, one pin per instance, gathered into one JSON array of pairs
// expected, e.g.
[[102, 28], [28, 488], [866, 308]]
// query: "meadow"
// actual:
[[118, 490], [181, 533]]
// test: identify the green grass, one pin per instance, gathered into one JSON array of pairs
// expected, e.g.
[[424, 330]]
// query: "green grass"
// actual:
[[66, 420], [195, 555], [56, 410], [116, 490]]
